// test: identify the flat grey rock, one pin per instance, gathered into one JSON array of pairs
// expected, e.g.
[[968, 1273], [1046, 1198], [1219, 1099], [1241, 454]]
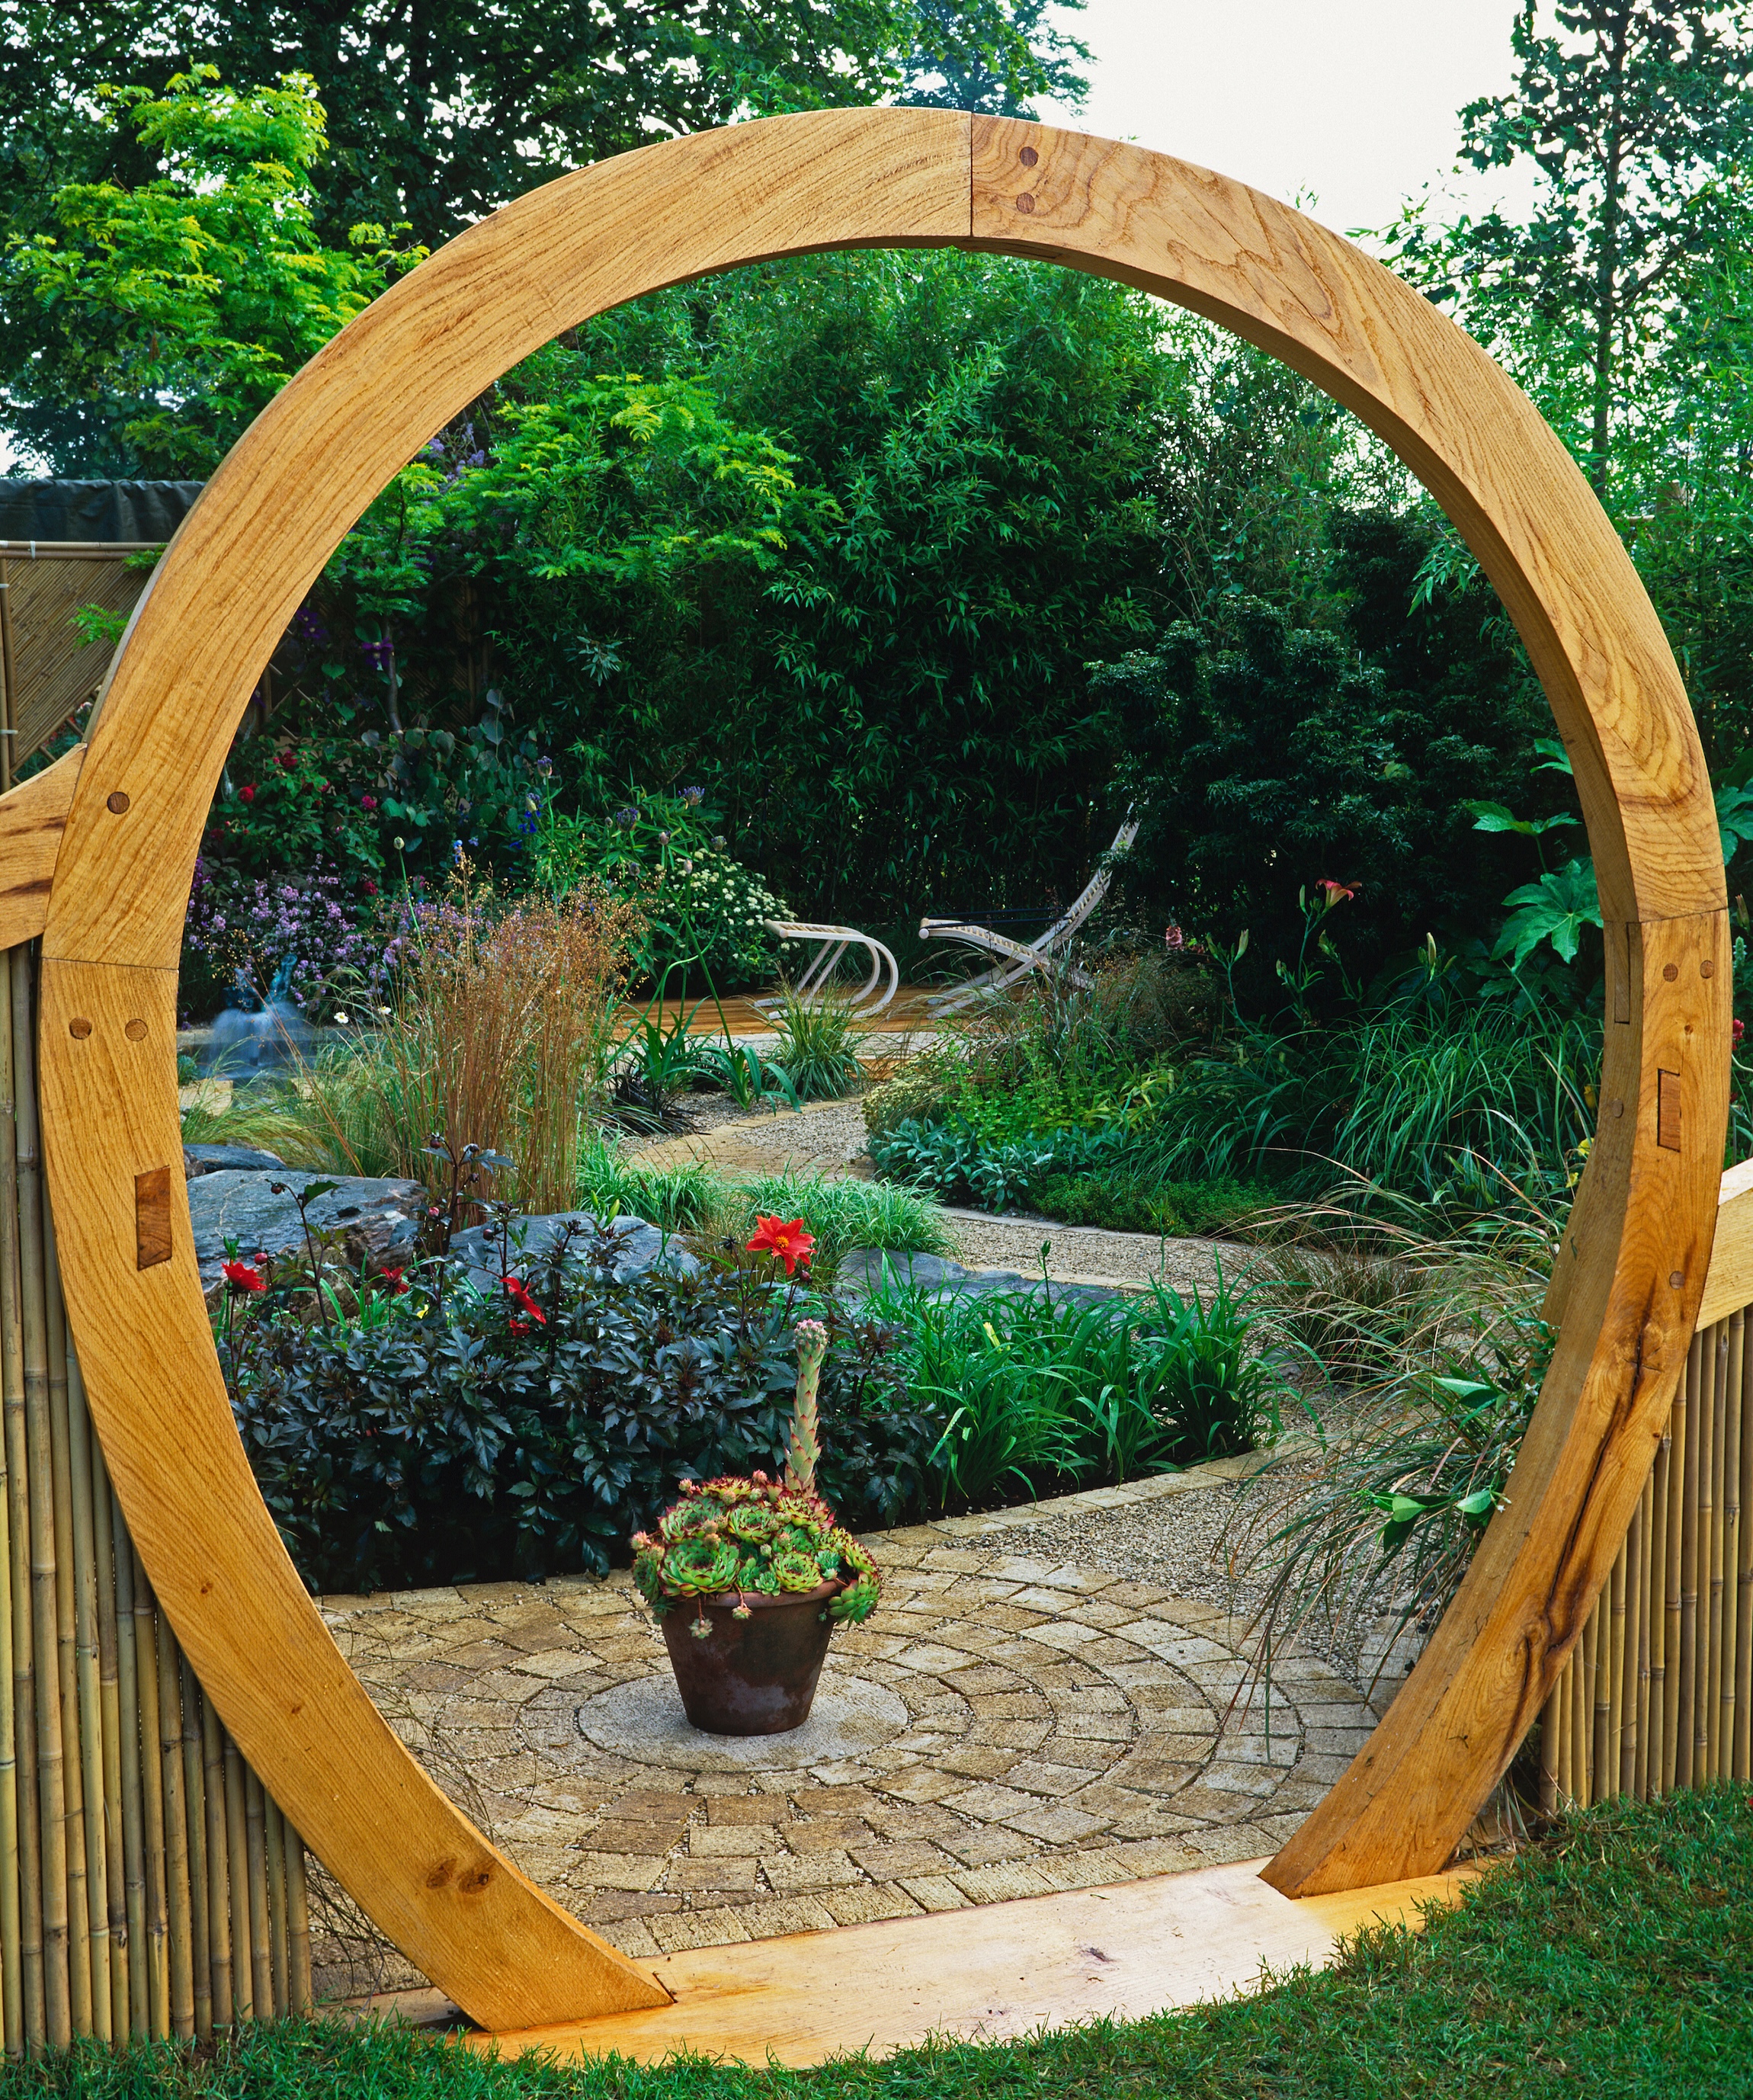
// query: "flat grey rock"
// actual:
[[199, 1159], [643, 1720], [638, 1246], [861, 1271], [377, 1219]]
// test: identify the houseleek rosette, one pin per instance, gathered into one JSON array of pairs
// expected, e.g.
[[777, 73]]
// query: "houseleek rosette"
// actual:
[[756, 1537]]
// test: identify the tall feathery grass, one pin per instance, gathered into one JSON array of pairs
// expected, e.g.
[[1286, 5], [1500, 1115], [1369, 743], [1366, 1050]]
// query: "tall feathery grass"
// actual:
[[499, 1036]]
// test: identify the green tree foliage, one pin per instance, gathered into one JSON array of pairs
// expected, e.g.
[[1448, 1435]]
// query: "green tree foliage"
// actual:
[[841, 556], [144, 327], [1267, 757], [441, 110], [1637, 115]]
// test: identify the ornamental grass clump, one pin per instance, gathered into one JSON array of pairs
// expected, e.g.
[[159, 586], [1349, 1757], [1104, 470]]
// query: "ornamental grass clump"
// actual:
[[753, 1537]]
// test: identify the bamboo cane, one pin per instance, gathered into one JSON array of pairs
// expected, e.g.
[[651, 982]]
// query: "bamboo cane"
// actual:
[[237, 1872], [1563, 1695], [1694, 1537], [80, 1978], [1602, 1758], [274, 1832], [1549, 1732], [1659, 1554], [1612, 1757], [110, 1708], [1637, 1545], [1711, 1687], [219, 1894], [260, 1954], [131, 1765], [298, 1923], [1729, 1502], [1671, 1730], [1622, 1729], [195, 1794], [176, 1829], [12, 1381], [152, 1801], [26, 2016], [1648, 1691], [51, 1789], [1583, 1705], [90, 1702], [1743, 1749], [1639, 1787]]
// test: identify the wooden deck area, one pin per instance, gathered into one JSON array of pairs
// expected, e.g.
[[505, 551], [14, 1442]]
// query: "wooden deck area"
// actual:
[[988, 1973], [906, 1013]]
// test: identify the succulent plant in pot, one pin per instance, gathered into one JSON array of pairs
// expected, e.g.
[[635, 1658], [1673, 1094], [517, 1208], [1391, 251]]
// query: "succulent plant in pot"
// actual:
[[748, 1579]]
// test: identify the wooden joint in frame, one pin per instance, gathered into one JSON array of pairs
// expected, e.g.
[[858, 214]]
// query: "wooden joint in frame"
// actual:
[[151, 1218], [1667, 1111], [1618, 949]]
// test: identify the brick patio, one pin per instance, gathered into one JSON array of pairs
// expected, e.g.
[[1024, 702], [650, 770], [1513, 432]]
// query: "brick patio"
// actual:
[[1002, 1727]]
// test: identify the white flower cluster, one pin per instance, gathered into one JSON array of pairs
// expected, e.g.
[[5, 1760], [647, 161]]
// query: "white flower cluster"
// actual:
[[710, 901]]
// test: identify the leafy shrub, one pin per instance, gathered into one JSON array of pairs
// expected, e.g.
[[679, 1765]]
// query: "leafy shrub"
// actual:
[[920, 1092], [1040, 1393], [1181, 1209], [959, 1166], [465, 1439]]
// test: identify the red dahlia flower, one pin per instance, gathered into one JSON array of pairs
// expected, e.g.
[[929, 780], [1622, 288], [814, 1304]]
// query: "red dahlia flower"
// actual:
[[242, 1279], [785, 1241], [393, 1281], [525, 1304]]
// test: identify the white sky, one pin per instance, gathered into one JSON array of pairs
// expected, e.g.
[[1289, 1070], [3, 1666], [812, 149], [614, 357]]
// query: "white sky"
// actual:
[[1352, 102]]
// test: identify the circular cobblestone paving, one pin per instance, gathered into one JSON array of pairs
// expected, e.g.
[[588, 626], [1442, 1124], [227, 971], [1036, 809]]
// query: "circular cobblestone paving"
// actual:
[[1001, 1727]]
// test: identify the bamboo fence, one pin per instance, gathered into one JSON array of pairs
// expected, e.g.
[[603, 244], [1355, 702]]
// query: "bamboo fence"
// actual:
[[1658, 1692], [148, 1884]]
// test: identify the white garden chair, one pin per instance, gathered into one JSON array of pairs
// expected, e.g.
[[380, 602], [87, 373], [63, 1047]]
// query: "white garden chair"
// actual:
[[831, 943], [1045, 952]]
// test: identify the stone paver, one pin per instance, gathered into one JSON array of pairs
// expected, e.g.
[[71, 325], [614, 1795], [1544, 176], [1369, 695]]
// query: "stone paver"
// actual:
[[1002, 1726]]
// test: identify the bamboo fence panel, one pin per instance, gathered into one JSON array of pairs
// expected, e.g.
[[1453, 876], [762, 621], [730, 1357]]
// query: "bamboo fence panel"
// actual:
[[148, 1884], [1658, 1692]]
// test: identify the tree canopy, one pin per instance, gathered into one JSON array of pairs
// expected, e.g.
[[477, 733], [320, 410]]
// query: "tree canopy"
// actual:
[[439, 111]]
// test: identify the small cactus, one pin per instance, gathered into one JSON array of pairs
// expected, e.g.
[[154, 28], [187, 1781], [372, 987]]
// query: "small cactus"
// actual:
[[805, 1451]]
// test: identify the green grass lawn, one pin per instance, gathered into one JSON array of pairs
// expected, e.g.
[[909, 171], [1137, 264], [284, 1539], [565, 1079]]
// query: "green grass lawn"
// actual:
[[1616, 1959]]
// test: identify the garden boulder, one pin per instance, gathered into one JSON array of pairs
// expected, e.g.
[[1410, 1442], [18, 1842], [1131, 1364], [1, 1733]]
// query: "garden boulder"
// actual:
[[376, 1219], [198, 1159], [638, 1246]]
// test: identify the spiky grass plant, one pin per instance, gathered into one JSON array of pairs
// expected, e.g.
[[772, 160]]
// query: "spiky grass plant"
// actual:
[[844, 1213], [819, 1042], [1435, 1349]]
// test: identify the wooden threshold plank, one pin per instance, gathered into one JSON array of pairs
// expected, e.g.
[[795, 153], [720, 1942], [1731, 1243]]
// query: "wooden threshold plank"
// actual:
[[989, 1973]]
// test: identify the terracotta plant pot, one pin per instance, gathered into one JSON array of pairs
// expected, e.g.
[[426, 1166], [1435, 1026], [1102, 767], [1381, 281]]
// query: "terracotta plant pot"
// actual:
[[749, 1676]]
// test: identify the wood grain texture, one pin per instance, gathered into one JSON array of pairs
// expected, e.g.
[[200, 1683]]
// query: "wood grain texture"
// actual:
[[32, 817], [418, 1868], [1634, 1259], [995, 1973]]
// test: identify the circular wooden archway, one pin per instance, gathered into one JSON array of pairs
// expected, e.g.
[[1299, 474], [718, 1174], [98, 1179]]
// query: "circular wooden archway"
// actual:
[[1633, 1267]]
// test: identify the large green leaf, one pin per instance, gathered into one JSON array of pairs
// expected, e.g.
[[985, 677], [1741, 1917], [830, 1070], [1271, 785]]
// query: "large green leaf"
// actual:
[[1556, 908]]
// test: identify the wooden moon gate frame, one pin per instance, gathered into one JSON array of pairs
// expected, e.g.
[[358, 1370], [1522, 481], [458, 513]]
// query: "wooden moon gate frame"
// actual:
[[1632, 1266]]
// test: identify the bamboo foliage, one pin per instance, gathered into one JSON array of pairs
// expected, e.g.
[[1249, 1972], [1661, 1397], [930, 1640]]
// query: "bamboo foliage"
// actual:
[[1657, 1693], [142, 1865]]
